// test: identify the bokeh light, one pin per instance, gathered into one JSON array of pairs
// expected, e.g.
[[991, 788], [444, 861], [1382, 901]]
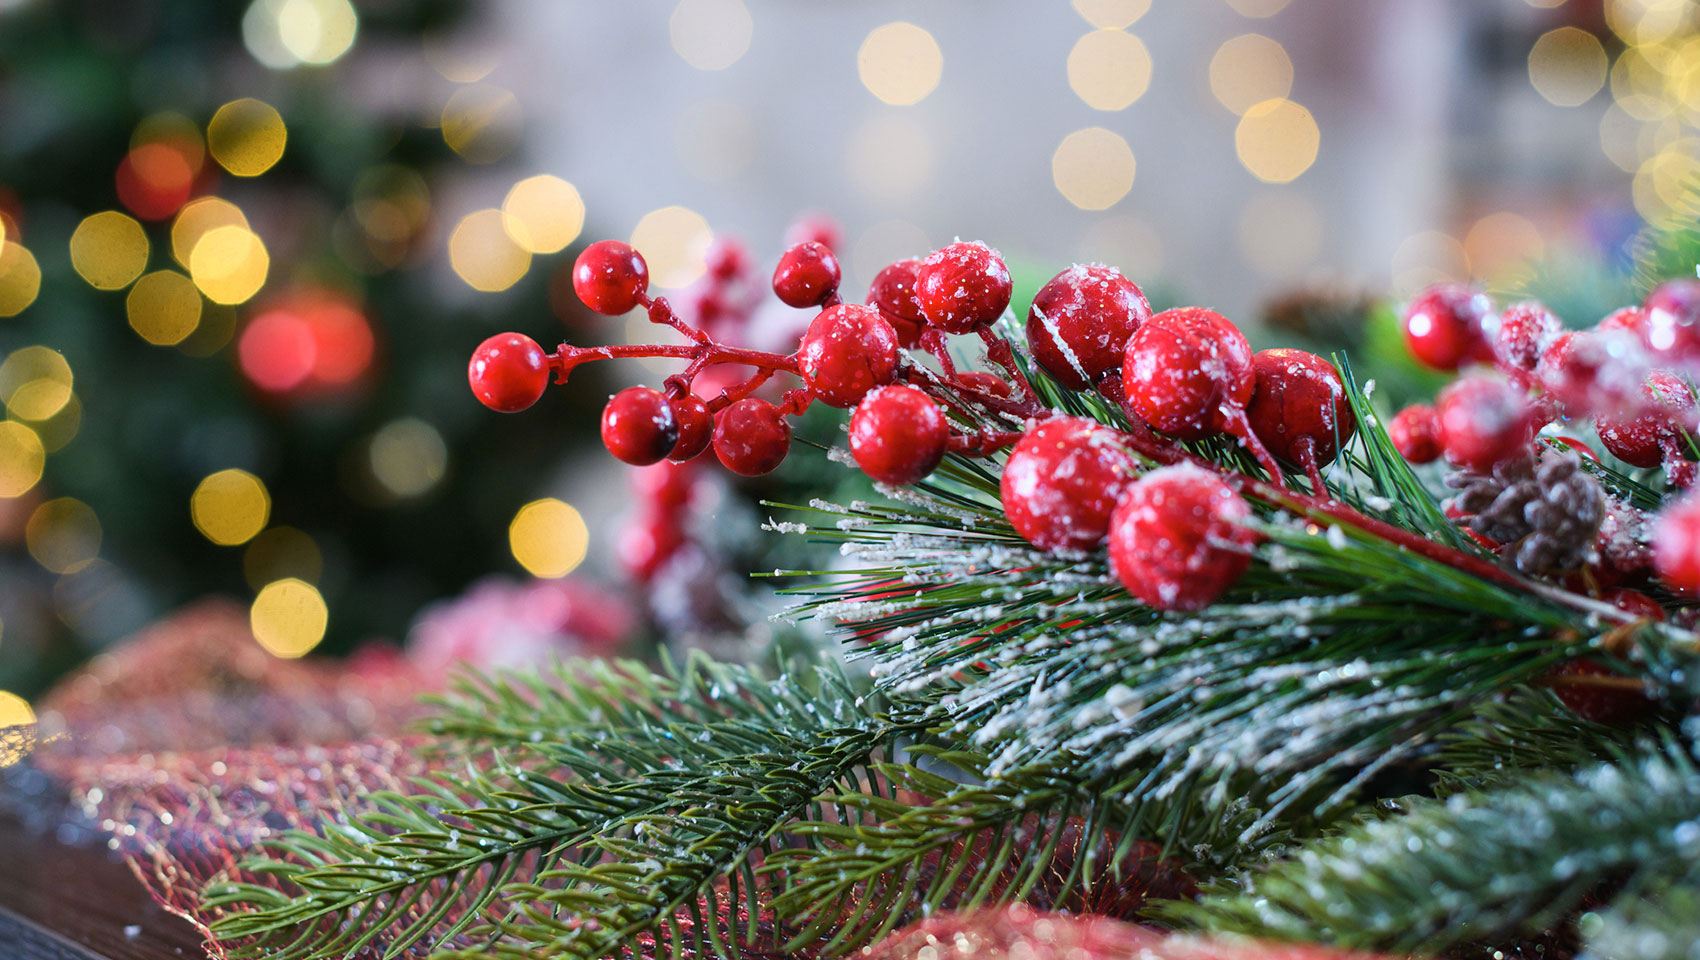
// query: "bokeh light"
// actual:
[[289, 33], [35, 383], [548, 538], [164, 307], [1567, 66], [277, 350], [279, 554], [176, 131], [1111, 14], [675, 241], [710, 34], [247, 137], [1109, 69], [900, 63], [22, 459], [1277, 140], [15, 712], [408, 457], [154, 180], [199, 216], [1249, 70], [288, 617], [230, 506], [59, 429], [63, 535], [1258, 9], [1500, 242], [482, 123], [229, 264], [485, 255], [1280, 233], [20, 279], [543, 213], [109, 250], [1093, 168]]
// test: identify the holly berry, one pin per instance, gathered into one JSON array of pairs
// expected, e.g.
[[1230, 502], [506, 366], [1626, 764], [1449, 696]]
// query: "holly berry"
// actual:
[[1079, 323], [610, 277], [638, 426], [848, 350], [696, 427], [1676, 546], [962, 286], [1626, 319], [1062, 480], [1299, 407], [1444, 326], [1635, 602], [1525, 331], [807, 275], [1185, 371], [893, 292], [1672, 324], [1415, 432], [1177, 541], [1483, 420], [898, 434], [1601, 704], [1642, 436], [751, 437], [508, 372]]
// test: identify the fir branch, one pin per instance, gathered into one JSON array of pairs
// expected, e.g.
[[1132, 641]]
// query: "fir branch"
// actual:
[[1660, 922], [1527, 730]]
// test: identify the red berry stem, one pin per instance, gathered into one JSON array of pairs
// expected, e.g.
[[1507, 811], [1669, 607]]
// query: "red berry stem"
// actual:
[[1239, 427], [661, 312], [983, 443], [795, 401], [739, 391], [934, 343], [567, 356], [1001, 353]]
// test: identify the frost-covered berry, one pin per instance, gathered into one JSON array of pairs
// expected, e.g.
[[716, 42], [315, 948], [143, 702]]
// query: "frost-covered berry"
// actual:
[[1676, 546], [508, 372], [898, 434], [1177, 539], [1062, 481], [1626, 319], [696, 427], [1079, 323], [1415, 432], [893, 292], [1299, 407], [610, 277], [1672, 323], [1186, 370], [1641, 436], [1483, 421], [1599, 703], [1526, 329], [751, 437], [1445, 326], [962, 286], [848, 350], [638, 426], [807, 275]]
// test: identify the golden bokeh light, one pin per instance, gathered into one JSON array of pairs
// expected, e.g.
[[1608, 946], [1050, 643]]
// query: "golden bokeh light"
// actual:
[[59, 429], [408, 457], [1249, 70], [890, 156], [543, 213], [459, 55], [482, 123], [279, 554], [288, 617], [20, 279], [548, 538], [21, 459], [1620, 138], [196, 218], [1427, 258], [1663, 183], [1277, 140], [1093, 168], [176, 130], [675, 241], [63, 535], [483, 254], [900, 63], [229, 264], [1112, 14], [1501, 242], [1646, 22], [164, 307], [109, 250], [1280, 234], [289, 33], [1567, 66], [216, 329], [710, 34], [35, 383], [1109, 69], [229, 507], [247, 137], [1258, 9], [15, 712]]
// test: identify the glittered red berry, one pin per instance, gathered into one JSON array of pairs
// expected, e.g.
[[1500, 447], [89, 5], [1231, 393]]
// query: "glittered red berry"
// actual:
[[1676, 546], [848, 350], [1299, 407], [1635, 602], [1186, 372], [1444, 326], [1062, 480], [1626, 319], [1593, 692], [1570, 367], [638, 426], [1177, 541], [1415, 432], [1483, 421], [1642, 436], [893, 292], [751, 437], [508, 372], [1525, 331], [898, 434], [1672, 323], [610, 277], [696, 427], [1079, 323], [962, 286], [807, 275]]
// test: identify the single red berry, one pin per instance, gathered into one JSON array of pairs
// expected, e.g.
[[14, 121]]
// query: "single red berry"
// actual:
[[1062, 481], [1525, 331], [751, 437], [1601, 703], [696, 427], [807, 275], [1640, 436], [1415, 432], [962, 286], [1626, 319], [638, 426], [645, 546], [1635, 602], [1676, 546], [984, 382], [1177, 541], [1581, 448], [1672, 324], [667, 485], [726, 258], [893, 292], [1444, 326], [1483, 421], [610, 277], [508, 372], [1079, 323], [1299, 403], [848, 350], [898, 434], [1185, 370], [1569, 370]]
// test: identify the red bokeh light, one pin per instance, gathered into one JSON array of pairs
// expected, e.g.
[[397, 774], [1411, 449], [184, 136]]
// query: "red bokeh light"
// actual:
[[307, 342], [154, 180]]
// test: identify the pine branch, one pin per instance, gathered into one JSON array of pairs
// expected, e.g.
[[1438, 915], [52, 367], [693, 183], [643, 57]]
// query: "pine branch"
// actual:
[[1528, 730], [1661, 922]]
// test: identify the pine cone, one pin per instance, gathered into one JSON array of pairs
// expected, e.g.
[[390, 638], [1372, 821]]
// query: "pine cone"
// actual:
[[1544, 513]]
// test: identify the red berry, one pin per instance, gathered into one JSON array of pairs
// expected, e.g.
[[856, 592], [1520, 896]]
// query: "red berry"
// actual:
[[1415, 432], [751, 437], [1062, 481], [1635, 602], [1185, 369], [1080, 321], [1176, 541], [1444, 326], [638, 426], [610, 277], [1638, 436], [1483, 420], [962, 286], [1601, 704], [986, 382], [893, 292], [848, 350], [696, 427], [645, 546], [815, 227], [1676, 546], [726, 257], [1569, 370], [666, 485], [1672, 324], [1299, 403], [807, 275], [1525, 331], [508, 372], [1578, 446], [1627, 319], [898, 434]]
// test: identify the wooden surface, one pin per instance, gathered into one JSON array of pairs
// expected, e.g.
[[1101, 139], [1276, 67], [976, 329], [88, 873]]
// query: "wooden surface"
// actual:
[[61, 902]]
